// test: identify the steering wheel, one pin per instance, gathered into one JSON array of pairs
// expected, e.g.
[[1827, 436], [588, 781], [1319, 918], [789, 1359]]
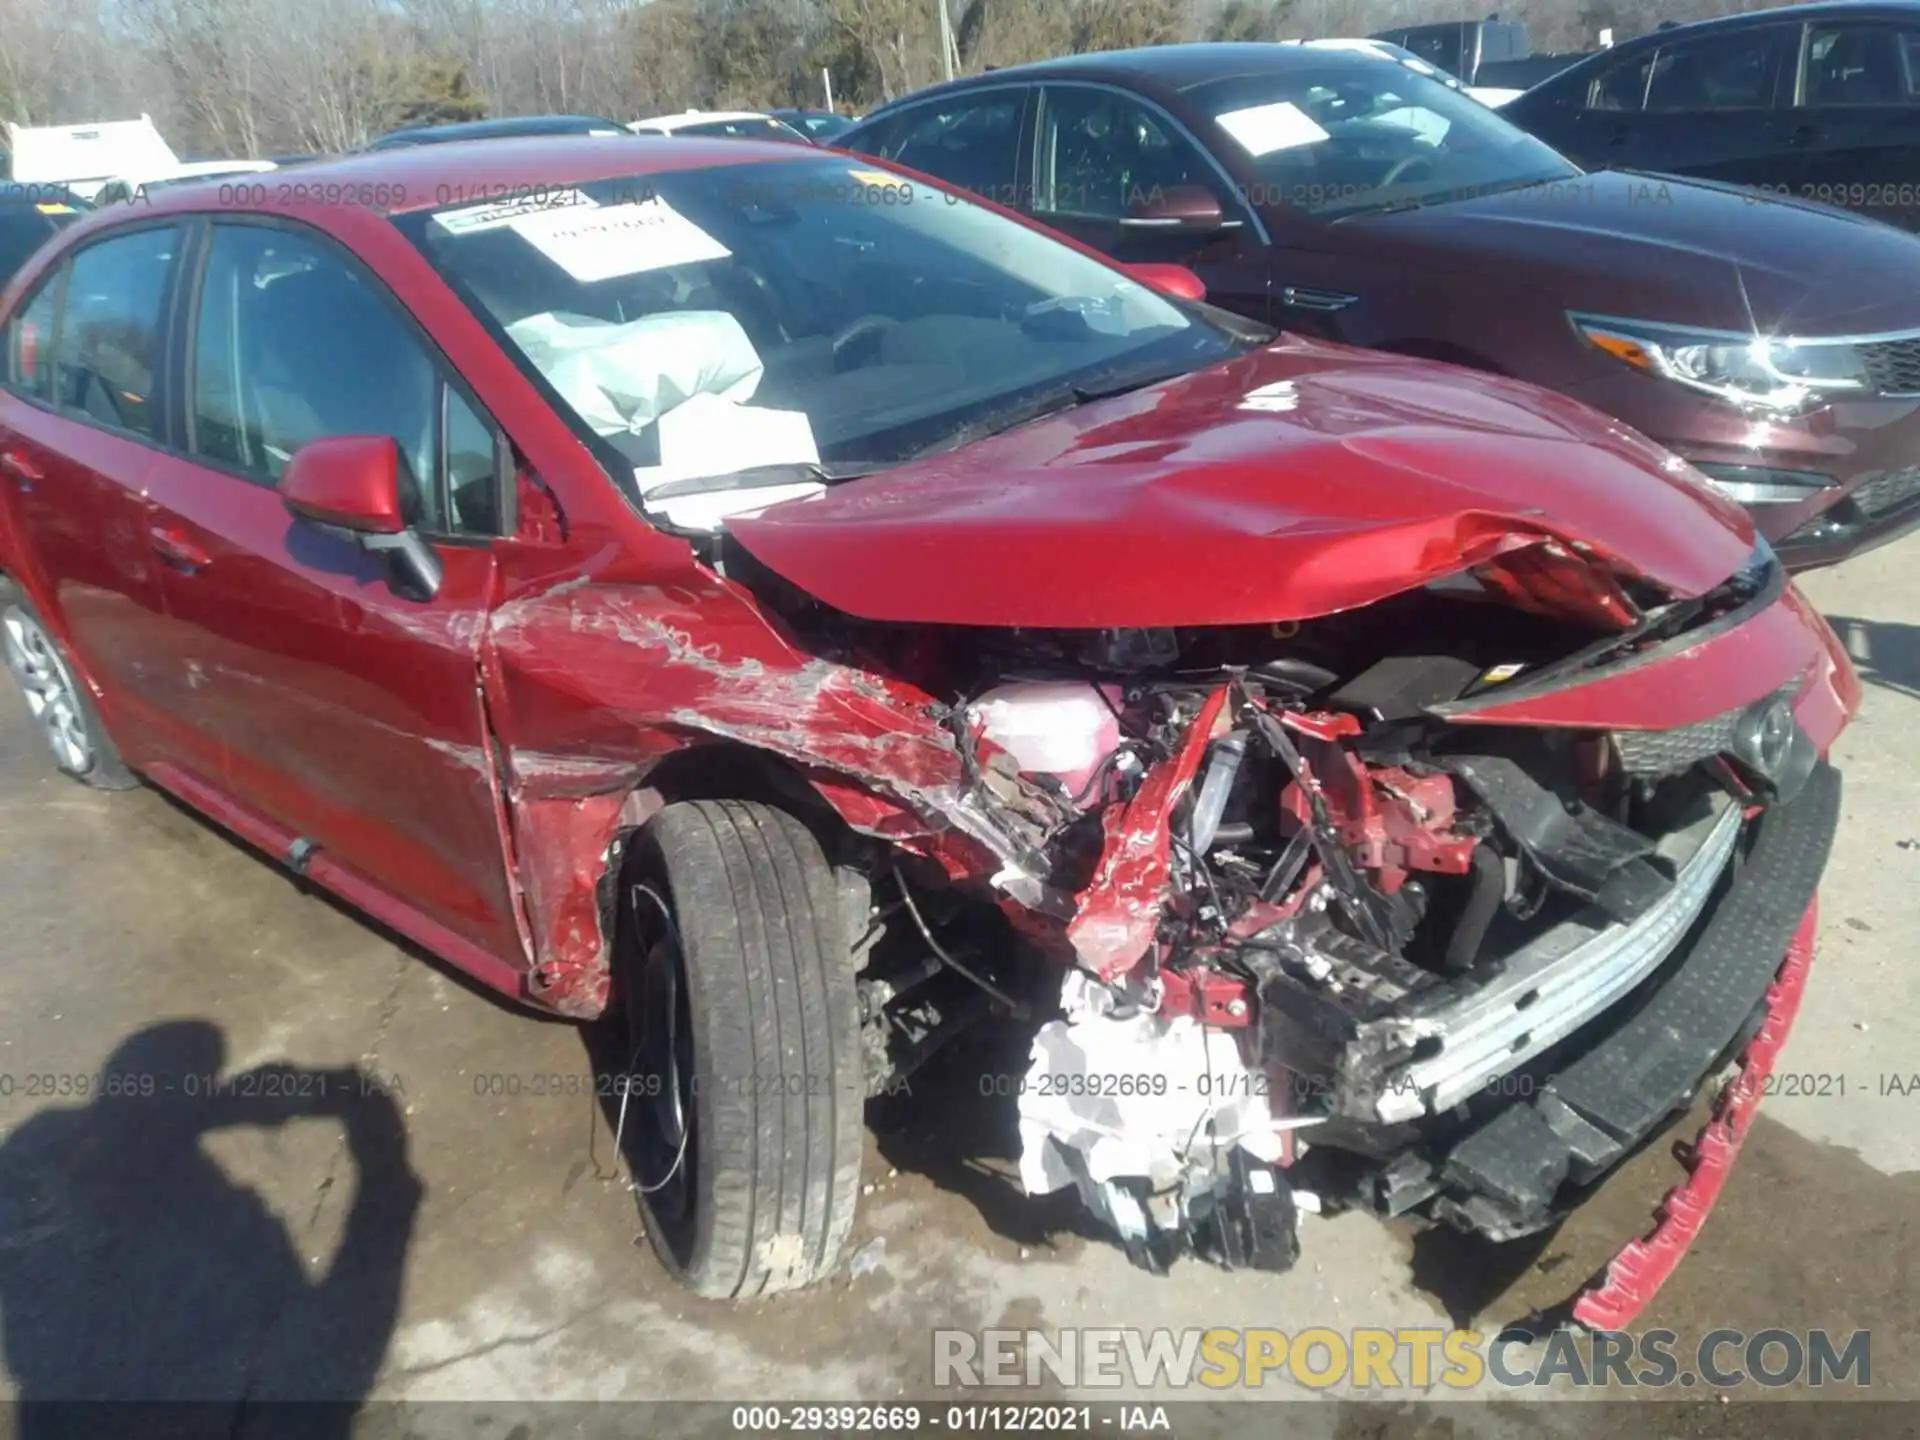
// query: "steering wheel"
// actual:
[[1401, 166], [866, 327]]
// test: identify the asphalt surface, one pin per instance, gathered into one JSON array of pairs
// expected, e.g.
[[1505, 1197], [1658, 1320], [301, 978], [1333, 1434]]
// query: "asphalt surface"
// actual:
[[385, 1221]]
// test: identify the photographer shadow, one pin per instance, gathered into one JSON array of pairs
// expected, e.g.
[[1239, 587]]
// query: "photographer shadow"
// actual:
[[133, 1270]]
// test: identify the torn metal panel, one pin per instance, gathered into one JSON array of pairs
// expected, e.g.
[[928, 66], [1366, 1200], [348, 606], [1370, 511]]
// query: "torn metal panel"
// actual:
[[599, 683], [1118, 914], [563, 848]]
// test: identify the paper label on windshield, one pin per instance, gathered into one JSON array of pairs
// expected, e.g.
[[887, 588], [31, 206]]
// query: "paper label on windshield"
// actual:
[[1263, 129], [708, 435], [467, 219], [612, 240]]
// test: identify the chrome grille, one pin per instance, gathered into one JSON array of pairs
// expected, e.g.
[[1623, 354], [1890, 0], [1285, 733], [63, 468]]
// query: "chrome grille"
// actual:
[[1888, 492], [1893, 366], [1668, 752]]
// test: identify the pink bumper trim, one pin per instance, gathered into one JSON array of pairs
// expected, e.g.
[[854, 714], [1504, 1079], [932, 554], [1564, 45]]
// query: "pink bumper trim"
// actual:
[[1638, 1271]]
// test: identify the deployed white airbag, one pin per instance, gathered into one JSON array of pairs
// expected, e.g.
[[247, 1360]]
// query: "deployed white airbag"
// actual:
[[623, 377]]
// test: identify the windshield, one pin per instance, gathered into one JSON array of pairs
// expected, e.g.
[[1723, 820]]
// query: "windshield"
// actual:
[[805, 312], [1362, 137]]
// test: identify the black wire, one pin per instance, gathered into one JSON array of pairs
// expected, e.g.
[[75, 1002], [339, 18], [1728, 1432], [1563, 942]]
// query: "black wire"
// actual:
[[1291, 859], [1206, 876]]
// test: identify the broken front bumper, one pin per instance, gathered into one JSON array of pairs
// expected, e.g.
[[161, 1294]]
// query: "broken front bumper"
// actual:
[[1511, 1168]]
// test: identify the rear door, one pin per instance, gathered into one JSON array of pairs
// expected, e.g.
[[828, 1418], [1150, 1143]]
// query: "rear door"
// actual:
[[1709, 102], [82, 421], [1104, 159], [1698, 107], [350, 714], [1852, 135]]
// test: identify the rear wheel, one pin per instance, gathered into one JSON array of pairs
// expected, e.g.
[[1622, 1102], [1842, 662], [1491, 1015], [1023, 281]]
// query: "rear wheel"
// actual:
[[57, 702], [743, 1117]]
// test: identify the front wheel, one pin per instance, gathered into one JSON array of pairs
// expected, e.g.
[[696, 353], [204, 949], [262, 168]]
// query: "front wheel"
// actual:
[[743, 1115]]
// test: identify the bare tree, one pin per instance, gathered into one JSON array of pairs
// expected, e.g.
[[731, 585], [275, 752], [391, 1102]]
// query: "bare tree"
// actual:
[[253, 77]]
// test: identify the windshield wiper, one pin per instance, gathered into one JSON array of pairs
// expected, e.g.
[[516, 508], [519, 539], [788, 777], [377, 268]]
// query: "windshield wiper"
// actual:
[[1050, 401], [754, 477], [1448, 197]]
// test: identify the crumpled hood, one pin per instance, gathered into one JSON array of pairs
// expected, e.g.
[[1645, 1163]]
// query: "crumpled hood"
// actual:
[[1653, 247], [1292, 482]]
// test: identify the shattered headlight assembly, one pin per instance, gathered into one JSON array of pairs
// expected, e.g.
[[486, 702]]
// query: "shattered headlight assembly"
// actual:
[[1758, 373]]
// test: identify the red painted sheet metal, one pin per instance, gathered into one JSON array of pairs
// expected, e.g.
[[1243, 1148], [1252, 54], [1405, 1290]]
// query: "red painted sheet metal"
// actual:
[[1638, 1271], [1787, 641], [1120, 911], [1295, 481]]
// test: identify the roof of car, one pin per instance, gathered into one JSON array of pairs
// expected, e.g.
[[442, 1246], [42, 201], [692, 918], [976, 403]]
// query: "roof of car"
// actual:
[[426, 177], [1817, 10], [1177, 67], [506, 125]]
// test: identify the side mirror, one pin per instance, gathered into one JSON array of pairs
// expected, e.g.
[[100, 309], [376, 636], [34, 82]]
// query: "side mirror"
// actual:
[[1174, 280], [352, 484], [1193, 209]]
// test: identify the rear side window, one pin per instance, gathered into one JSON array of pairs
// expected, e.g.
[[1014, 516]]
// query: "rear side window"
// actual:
[[1853, 64], [30, 340], [293, 343], [109, 350], [970, 141]]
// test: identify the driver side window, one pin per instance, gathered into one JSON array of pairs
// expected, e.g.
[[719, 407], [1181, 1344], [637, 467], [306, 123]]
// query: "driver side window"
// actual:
[[1105, 156], [294, 344]]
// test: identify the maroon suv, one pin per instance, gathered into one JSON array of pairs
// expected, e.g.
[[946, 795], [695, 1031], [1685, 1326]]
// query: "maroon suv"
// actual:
[[1776, 346]]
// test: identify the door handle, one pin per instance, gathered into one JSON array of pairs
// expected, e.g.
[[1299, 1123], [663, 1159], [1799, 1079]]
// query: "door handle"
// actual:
[[1802, 135], [174, 546], [18, 466], [1619, 135]]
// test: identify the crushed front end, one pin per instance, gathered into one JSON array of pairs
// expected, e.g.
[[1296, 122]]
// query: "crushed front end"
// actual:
[[1406, 935]]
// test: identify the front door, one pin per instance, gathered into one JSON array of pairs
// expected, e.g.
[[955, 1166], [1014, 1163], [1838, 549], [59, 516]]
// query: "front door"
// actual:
[[350, 713], [1104, 161]]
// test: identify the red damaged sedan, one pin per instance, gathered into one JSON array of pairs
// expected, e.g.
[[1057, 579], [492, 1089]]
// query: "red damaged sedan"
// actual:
[[799, 612]]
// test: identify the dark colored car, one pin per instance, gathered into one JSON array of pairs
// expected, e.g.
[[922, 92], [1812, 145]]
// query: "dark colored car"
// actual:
[[30, 215], [506, 128], [799, 629], [1817, 102], [1488, 54], [1775, 346], [823, 127]]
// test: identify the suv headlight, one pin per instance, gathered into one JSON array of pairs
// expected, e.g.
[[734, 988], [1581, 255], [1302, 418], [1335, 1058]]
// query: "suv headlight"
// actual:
[[1755, 372]]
